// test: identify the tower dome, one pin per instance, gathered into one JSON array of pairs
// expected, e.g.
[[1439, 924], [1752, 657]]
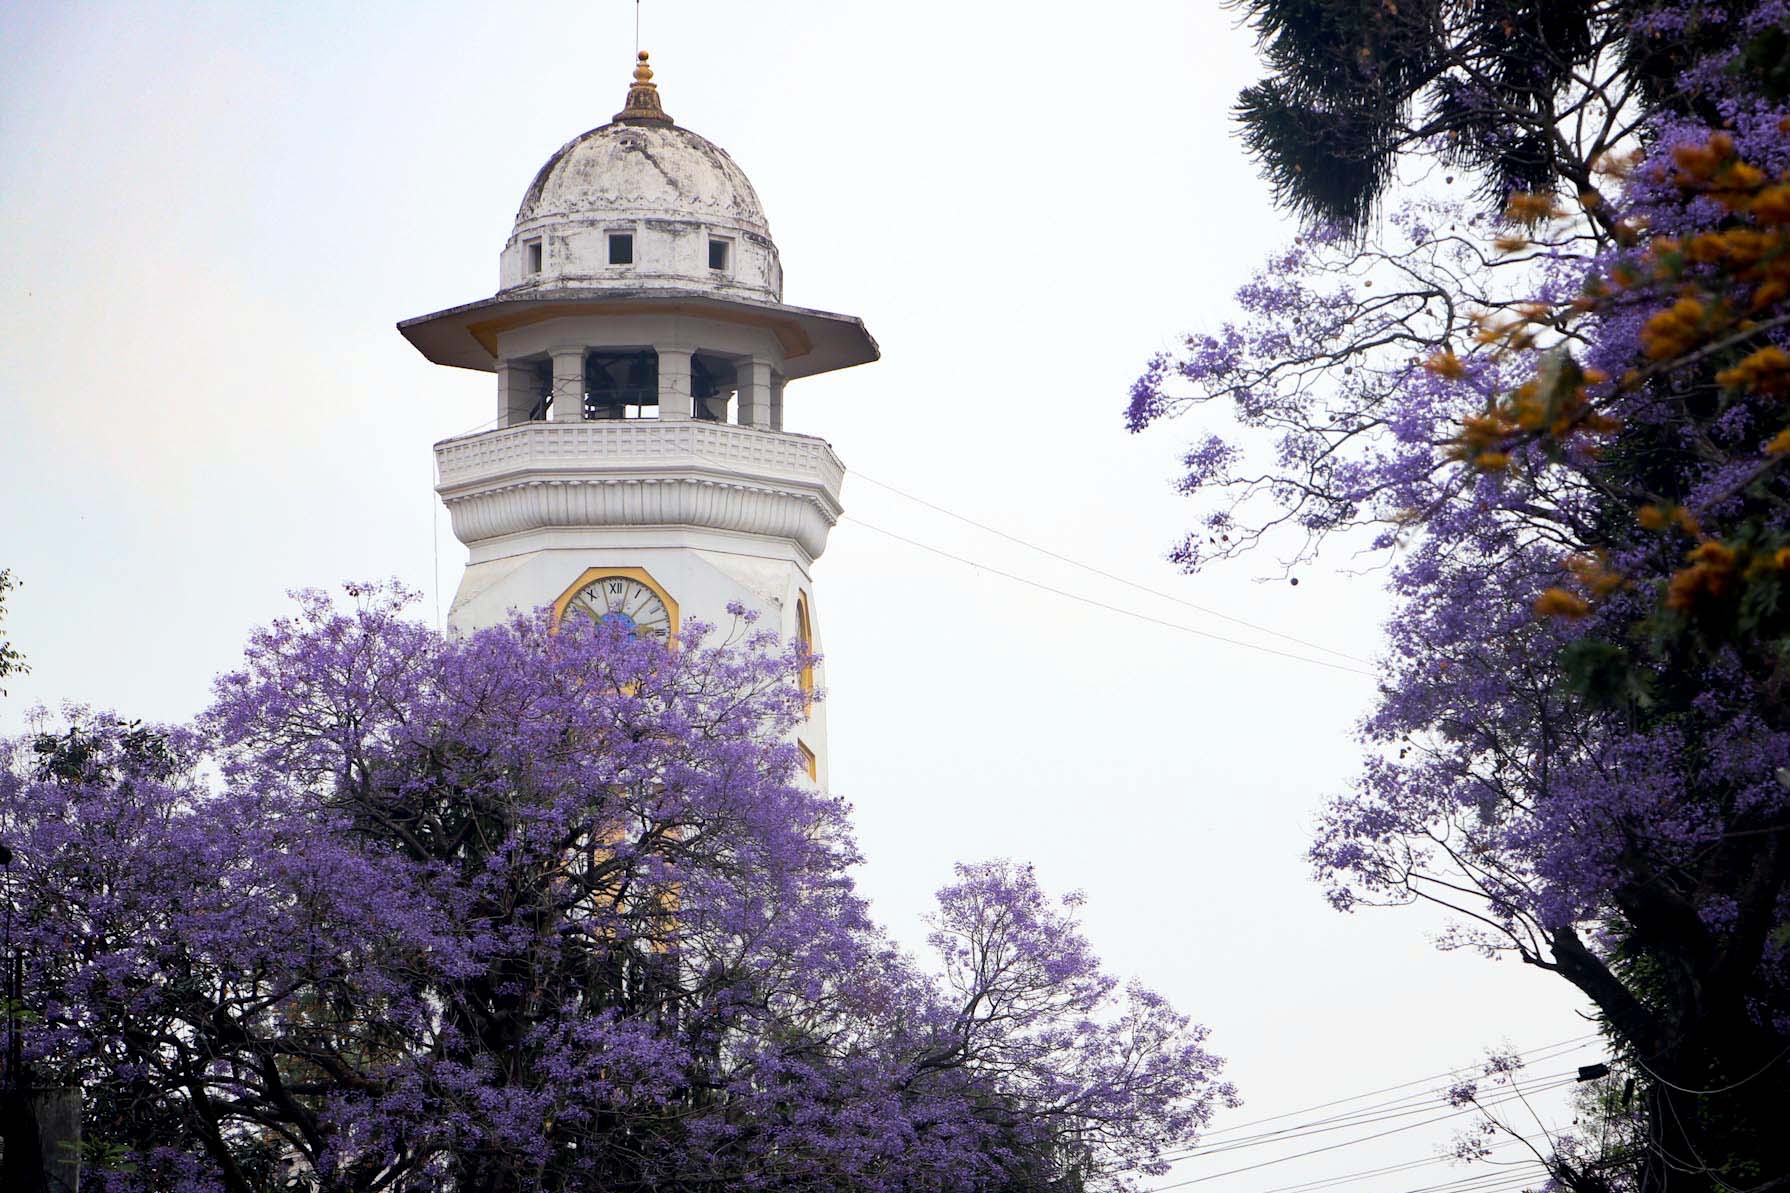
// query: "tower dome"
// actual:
[[641, 203]]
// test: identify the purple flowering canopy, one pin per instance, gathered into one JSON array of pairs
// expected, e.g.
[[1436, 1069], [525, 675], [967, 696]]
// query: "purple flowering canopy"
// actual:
[[527, 910], [1558, 423]]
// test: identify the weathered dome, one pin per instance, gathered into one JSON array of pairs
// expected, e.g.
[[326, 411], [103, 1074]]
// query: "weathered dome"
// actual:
[[645, 169], [640, 202]]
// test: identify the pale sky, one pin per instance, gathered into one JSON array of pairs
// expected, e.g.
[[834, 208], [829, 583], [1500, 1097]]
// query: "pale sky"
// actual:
[[211, 216]]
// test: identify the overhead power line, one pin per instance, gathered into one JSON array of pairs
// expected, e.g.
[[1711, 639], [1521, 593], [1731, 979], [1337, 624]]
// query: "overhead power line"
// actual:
[[1119, 609], [1527, 1056], [1102, 572], [1018, 579], [1330, 1182], [1330, 1147], [1472, 1183], [1760, 1072], [1368, 1117], [1373, 1113], [1404, 1104]]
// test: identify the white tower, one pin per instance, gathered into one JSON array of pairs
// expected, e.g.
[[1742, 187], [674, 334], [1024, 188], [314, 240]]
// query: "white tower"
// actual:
[[638, 468]]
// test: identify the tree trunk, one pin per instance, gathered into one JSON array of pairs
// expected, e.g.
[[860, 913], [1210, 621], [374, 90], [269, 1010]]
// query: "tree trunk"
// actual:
[[40, 1140]]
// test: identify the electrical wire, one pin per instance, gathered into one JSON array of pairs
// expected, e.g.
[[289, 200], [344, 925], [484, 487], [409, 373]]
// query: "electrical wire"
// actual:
[[1347, 1178], [1394, 1108], [1416, 1098], [1722, 1090], [1212, 1176], [1385, 1111], [1367, 1117], [1530, 1056], [1018, 579], [1332, 1147], [1479, 1182], [1495, 1182], [1476, 1108], [1101, 572], [1172, 625]]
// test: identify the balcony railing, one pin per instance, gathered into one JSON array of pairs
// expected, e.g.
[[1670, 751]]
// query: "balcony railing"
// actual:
[[634, 446]]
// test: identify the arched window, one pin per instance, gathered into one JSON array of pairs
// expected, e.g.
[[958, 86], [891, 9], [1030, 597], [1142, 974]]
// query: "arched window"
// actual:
[[805, 640]]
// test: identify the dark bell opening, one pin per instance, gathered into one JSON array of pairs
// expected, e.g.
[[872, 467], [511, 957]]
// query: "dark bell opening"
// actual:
[[621, 385], [543, 387], [712, 382]]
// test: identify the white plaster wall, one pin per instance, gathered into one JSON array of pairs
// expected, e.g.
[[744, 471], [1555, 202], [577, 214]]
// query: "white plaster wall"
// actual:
[[687, 333], [704, 572], [667, 253]]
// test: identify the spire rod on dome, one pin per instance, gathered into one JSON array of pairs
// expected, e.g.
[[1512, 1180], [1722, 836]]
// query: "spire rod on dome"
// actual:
[[643, 98]]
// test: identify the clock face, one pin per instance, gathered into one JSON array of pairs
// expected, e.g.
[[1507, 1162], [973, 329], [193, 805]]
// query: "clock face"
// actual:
[[625, 602]]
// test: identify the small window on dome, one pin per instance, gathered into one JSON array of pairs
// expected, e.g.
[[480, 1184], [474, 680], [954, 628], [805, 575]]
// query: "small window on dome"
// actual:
[[534, 256], [621, 248], [717, 254]]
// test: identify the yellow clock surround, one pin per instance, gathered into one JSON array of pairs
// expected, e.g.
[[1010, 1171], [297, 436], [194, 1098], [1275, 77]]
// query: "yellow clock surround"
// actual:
[[592, 575]]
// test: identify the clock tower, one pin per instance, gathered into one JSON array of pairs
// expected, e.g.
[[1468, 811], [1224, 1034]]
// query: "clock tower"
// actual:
[[638, 469]]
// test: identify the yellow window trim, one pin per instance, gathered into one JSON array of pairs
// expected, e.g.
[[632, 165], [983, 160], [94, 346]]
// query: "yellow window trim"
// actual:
[[805, 639]]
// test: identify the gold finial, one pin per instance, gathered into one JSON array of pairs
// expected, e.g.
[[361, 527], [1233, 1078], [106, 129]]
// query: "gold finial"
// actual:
[[643, 98]]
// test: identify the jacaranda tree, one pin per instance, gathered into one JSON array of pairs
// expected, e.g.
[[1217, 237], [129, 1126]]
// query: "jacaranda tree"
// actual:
[[1560, 420], [533, 910]]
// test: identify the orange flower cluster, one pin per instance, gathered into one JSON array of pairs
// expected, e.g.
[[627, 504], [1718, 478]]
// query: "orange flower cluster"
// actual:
[[1556, 402], [1557, 602], [1593, 571], [1718, 284], [1766, 371], [1507, 335], [1756, 253], [1447, 365], [1675, 330], [1654, 517], [1717, 170], [1593, 574], [1527, 209], [1717, 569], [1772, 206], [1740, 246], [1751, 255], [1483, 439], [1709, 578]]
